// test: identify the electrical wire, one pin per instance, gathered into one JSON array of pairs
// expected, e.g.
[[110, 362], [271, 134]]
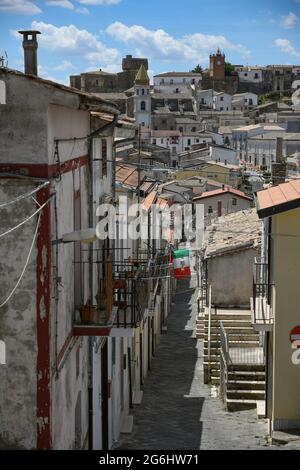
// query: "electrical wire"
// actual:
[[26, 220], [25, 266], [24, 196]]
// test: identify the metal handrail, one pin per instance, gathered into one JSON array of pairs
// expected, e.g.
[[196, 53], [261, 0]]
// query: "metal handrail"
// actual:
[[209, 325], [224, 344]]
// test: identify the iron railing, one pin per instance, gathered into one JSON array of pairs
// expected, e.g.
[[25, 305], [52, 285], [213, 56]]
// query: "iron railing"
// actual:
[[261, 308]]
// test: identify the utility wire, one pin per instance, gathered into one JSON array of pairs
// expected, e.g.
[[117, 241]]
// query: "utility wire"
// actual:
[[24, 196], [25, 266], [25, 221]]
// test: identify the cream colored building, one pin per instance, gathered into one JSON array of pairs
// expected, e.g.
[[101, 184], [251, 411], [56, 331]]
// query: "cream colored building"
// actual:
[[277, 300]]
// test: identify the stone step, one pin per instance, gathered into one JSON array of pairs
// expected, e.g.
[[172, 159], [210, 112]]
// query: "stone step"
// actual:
[[228, 316], [245, 385], [233, 344], [246, 368], [239, 405], [228, 323], [214, 380], [244, 376], [213, 365], [246, 394]]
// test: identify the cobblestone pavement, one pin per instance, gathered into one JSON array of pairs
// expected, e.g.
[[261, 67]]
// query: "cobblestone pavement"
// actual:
[[178, 411]]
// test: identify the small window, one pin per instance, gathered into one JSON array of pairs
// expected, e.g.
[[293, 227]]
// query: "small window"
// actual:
[[222, 98], [143, 91], [143, 106], [137, 91], [234, 201], [171, 81], [189, 142], [104, 157], [210, 210]]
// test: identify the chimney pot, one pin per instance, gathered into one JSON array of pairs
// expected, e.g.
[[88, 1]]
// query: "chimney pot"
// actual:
[[30, 46]]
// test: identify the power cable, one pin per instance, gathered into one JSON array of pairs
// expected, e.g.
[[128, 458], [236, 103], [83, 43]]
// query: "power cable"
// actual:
[[24, 196], [26, 220], [25, 266]]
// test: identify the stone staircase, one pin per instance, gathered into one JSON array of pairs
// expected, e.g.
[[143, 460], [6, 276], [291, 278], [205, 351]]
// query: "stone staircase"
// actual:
[[245, 386], [241, 335]]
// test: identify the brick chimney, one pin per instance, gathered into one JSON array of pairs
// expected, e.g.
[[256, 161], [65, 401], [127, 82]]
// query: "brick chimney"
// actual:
[[30, 46], [279, 166]]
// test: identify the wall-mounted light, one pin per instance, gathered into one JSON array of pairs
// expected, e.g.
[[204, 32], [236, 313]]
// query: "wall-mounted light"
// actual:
[[2, 353]]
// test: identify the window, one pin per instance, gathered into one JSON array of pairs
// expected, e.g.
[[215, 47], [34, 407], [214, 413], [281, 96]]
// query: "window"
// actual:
[[234, 201], [163, 121], [143, 106], [162, 81], [143, 124], [256, 75], [189, 142], [193, 81], [154, 141], [210, 209], [245, 75], [177, 90], [193, 129], [137, 91], [143, 91], [161, 141], [104, 157], [180, 129], [221, 109], [222, 98], [171, 81]]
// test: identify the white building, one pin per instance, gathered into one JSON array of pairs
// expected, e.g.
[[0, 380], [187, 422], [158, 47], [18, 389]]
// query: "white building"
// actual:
[[205, 98], [176, 82], [250, 75], [242, 101], [222, 101]]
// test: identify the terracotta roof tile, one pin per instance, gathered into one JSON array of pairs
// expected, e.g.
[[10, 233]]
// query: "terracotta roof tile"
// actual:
[[285, 196]]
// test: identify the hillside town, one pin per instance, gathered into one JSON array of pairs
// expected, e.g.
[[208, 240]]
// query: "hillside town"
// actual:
[[150, 253]]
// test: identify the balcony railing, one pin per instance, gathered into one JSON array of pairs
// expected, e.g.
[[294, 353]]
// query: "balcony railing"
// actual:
[[261, 308], [121, 300]]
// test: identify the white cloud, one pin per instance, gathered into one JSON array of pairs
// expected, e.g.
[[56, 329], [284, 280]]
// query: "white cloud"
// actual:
[[60, 3], [24, 7], [99, 2], [289, 21], [286, 46], [82, 10], [160, 45], [76, 42]]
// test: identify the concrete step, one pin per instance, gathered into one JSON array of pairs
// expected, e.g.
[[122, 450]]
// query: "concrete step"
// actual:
[[246, 394], [245, 385], [245, 376], [213, 365], [239, 405]]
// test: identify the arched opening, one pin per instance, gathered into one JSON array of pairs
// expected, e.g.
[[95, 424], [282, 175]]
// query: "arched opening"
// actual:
[[143, 106]]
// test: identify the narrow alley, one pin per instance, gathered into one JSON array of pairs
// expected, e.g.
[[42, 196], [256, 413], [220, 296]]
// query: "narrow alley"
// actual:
[[178, 411]]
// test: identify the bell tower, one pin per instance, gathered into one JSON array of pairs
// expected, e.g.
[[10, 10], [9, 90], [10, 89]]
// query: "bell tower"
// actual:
[[142, 98], [217, 65]]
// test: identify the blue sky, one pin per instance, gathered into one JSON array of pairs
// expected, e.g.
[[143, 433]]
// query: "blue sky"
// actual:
[[81, 35]]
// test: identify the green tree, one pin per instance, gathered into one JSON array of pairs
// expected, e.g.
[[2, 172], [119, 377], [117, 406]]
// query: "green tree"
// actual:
[[229, 69], [197, 69]]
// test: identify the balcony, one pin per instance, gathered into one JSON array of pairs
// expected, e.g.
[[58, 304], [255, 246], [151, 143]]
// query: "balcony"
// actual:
[[122, 300], [262, 316]]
